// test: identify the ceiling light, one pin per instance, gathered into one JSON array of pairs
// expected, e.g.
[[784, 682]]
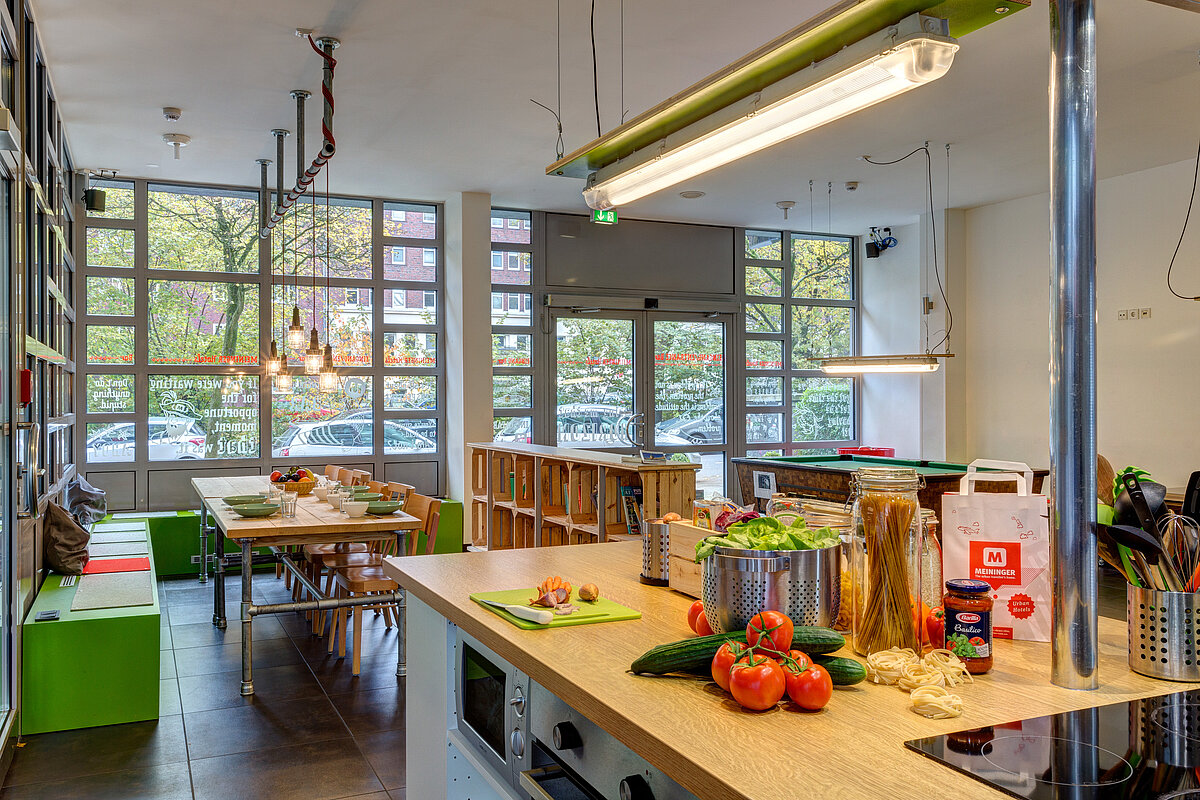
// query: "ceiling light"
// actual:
[[859, 365], [177, 140], [902, 57], [312, 356], [283, 382], [329, 379], [295, 333]]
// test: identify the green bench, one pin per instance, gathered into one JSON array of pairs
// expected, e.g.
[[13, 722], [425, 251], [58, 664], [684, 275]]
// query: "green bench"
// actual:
[[90, 667]]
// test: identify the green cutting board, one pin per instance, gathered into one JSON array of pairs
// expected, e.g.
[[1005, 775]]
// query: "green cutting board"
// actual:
[[602, 610]]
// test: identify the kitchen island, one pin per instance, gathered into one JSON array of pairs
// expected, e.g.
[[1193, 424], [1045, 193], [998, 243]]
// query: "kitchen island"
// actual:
[[687, 727]]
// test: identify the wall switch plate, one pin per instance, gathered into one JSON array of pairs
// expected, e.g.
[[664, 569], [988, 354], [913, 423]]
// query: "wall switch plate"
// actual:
[[1144, 313], [1122, 314]]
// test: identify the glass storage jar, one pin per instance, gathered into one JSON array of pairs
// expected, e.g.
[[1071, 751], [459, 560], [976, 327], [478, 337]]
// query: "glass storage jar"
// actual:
[[885, 560]]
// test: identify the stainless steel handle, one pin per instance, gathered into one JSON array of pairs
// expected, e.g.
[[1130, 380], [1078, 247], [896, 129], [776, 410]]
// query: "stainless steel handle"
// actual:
[[529, 782], [635, 431], [28, 470]]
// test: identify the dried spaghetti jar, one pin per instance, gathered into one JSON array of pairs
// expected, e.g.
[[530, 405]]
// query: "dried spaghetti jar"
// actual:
[[885, 560], [968, 605]]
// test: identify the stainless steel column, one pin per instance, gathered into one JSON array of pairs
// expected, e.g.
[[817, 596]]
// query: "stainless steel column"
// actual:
[[280, 187], [264, 192], [300, 95], [1073, 342]]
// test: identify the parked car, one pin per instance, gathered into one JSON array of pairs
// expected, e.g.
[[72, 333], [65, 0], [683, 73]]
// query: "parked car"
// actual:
[[347, 437], [698, 425], [170, 439]]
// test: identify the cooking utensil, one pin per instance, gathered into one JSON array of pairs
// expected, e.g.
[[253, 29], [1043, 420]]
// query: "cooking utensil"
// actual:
[[1146, 518], [1181, 541], [1191, 497], [1114, 555], [1148, 556], [541, 616], [1105, 475]]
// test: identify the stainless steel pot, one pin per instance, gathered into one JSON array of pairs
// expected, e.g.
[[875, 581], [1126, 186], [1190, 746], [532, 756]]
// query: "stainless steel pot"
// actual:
[[804, 584]]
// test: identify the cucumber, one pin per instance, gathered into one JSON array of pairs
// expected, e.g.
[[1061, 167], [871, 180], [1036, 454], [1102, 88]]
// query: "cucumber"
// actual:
[[842, 671], [696, 654]]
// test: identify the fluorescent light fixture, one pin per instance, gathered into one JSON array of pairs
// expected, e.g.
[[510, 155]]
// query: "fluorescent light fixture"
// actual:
[[860, 365], [891, 62]]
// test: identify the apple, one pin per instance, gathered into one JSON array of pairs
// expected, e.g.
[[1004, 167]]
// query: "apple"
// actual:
[[276, 476]]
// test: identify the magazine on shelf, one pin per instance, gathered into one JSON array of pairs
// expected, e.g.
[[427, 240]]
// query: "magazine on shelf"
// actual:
[[631, 501]]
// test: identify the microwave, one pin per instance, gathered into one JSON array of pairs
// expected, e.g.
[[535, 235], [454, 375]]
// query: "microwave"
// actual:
[[491, 707]]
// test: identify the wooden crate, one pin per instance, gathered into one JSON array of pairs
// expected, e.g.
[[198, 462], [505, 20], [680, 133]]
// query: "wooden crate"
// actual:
[[681, 549], [479, 472], [502, 529], [479, 526], [524, 533], [523, 482]]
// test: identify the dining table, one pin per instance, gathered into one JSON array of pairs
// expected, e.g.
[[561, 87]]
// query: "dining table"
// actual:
[[315, 522]]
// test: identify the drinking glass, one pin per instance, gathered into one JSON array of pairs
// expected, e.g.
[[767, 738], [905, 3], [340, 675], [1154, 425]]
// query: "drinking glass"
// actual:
[[288, 504]]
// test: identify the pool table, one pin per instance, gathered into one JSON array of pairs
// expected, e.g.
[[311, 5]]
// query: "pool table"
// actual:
[[828, 477]]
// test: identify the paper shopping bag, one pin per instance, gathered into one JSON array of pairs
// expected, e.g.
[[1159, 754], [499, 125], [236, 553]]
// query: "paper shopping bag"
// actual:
[[1004, 540]]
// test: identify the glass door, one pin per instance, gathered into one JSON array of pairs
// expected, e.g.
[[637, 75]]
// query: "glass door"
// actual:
[[644, 380]]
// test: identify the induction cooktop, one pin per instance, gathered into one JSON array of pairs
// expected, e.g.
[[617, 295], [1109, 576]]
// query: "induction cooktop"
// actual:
[[1139, 750]]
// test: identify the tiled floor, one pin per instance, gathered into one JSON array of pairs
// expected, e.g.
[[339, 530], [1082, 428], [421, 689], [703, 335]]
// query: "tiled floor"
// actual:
[[311, 732]]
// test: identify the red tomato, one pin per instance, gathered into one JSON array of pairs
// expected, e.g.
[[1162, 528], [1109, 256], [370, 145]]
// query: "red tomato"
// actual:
[[276, 476], [975, 640], [809, 688], [702, 626], [801, 660], [773, 628], [727, 655], [694, 612], [935, 627], [757, 682]]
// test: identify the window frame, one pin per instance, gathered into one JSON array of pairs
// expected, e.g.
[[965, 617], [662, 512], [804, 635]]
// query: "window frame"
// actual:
[[788, 373], [509, 255], [391, 466]]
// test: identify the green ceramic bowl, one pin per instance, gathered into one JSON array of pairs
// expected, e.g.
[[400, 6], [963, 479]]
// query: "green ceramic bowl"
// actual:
[[370, 497], [257, 509], [382, 508], [243, 499]]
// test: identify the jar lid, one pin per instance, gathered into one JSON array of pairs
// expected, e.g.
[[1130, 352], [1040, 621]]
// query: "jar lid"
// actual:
[[968, 585], [887, 477]]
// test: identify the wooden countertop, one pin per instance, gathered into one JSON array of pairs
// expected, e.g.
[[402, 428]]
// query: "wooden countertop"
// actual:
[[697, 734], [593, 457]]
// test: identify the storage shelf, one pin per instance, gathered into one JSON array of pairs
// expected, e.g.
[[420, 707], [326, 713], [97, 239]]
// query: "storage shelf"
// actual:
[[479, 498], [561, 520]]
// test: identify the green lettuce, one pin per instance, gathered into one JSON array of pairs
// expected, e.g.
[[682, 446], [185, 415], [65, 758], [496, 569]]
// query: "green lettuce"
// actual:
[[768, 533]]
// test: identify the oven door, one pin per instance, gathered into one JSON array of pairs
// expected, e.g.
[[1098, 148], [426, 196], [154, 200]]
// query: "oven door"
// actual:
[[555, 783], [490, 707]]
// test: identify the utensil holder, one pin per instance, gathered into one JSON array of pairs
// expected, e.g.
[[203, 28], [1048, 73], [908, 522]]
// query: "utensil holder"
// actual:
[[656, 554], [1164, 633], [804, 584]]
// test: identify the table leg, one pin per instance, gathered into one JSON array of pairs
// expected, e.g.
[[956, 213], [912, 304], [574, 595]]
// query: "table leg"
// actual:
[[219, 585], [203, 541], [401, 666], [247, 633]]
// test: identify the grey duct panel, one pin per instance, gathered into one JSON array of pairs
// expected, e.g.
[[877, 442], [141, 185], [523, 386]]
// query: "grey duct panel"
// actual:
[[639, 256], [118, 488]]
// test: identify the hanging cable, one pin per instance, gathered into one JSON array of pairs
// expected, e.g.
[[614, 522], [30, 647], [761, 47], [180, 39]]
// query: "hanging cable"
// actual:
[[810, 205], [624, 110], [1186, 218], [933, 225], [829, 208], [595, 74], [559, 149]]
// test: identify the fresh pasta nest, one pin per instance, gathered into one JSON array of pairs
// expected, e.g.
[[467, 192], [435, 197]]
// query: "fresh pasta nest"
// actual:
[[935, 702]]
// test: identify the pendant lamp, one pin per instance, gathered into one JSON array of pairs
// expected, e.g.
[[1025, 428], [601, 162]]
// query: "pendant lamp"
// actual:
[[295, 337], [329, 377], [283, 382], [312, 356]]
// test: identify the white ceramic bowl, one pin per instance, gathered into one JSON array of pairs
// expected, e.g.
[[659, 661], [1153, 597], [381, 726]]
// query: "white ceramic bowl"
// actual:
[[321, 492], [355, 508]]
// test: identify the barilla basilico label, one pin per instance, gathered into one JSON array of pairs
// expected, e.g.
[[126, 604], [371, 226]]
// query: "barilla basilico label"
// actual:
[[969, 633]]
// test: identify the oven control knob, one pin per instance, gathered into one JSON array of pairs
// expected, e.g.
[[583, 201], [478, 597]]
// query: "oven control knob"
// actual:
[[635, 788], [517, 740], [518, 701], [566, 737]]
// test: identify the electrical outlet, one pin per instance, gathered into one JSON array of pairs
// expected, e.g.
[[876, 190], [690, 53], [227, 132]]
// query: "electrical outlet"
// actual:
[[1144, 313], [1122, 314]]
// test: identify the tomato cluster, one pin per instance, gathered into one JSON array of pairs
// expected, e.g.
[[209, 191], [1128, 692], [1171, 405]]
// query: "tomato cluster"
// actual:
[[759, 673]]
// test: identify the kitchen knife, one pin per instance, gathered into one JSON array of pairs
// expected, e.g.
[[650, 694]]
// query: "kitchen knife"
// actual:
[[539, 615]]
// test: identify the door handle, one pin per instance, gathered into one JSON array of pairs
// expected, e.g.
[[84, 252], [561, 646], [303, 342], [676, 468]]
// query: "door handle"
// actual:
[[28, 470], [636, 431]]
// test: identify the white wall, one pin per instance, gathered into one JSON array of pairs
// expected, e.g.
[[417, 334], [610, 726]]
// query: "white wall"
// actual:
[[890, 323], [1148, 369]]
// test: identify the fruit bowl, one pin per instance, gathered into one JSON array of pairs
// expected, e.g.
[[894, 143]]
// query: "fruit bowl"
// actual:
[[301, 488]]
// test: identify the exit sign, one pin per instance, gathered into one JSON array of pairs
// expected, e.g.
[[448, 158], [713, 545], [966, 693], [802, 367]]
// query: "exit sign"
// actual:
[[604, 217]]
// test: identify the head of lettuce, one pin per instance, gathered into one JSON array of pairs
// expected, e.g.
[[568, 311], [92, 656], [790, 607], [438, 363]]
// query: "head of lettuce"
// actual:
[[768, 533]]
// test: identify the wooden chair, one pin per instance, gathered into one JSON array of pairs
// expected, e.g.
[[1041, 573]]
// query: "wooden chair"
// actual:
[[353, 581], [378, 487], [332, 471], [399, 491], [352, 477]]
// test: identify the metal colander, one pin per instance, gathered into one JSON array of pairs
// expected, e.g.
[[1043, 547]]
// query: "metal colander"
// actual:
[[737, 584], [1164, 633]]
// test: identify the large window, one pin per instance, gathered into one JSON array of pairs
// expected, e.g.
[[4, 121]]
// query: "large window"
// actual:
[[801, 304], [182, 296], [512, 325]]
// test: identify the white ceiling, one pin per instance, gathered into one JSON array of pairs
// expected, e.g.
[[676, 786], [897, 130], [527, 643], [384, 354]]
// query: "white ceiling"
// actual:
[[434, 98]]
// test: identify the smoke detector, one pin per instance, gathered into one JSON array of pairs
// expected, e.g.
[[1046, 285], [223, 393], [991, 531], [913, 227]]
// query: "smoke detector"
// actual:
[[171, 113], [851, 186], [176, 140]]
